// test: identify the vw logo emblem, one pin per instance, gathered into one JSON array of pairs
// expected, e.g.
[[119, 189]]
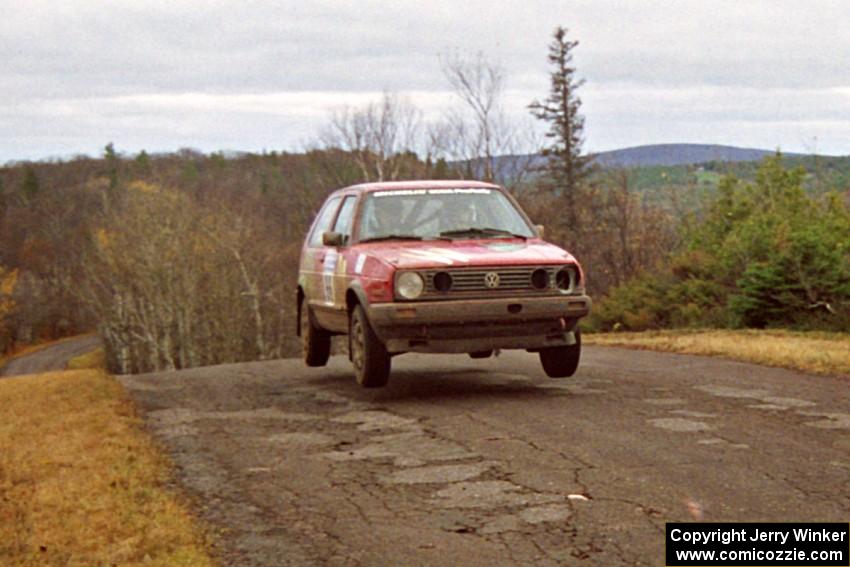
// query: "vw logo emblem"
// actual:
[[491, 280]]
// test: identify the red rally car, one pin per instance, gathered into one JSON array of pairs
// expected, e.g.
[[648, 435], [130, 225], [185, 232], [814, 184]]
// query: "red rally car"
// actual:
[[435, 266]]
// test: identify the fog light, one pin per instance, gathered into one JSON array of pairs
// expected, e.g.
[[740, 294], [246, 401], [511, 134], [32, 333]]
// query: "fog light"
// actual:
[[540, 279], [442, 281]]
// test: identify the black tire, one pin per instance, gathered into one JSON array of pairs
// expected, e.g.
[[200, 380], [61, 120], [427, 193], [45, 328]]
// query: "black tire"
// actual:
[[315, 341], [562, 361], [481, 354], [369, 357]]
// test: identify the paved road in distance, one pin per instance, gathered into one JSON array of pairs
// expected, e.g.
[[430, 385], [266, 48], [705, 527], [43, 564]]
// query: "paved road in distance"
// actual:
[[54, 357]]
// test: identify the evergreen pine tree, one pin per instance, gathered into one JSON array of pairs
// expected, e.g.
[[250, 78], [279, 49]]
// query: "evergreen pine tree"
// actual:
[[565, 166], [112, 162]]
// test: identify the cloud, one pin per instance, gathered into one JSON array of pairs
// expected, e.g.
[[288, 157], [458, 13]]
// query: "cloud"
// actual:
[[244, 75]]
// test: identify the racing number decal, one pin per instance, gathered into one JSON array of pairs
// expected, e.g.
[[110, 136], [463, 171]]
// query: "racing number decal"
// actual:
[[328, 275], [358, 266], [341, 283]]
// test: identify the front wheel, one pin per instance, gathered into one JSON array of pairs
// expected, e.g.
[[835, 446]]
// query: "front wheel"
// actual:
[[315, 341], [561, 361], [368, 355]]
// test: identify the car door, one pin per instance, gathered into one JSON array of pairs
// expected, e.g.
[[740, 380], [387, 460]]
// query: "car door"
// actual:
[[335, 276], [313, 257]]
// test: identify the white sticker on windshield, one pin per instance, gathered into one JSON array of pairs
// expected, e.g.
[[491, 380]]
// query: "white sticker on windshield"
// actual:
[[399, 192], [455, 191], [479, 191]]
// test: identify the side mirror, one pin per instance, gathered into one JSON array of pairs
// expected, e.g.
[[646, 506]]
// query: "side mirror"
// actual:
[[332, 239], [541, 230]]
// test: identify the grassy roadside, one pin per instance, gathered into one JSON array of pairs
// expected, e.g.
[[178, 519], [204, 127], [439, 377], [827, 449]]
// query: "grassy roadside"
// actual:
[[816, 352], [81, 483], [95, 359]]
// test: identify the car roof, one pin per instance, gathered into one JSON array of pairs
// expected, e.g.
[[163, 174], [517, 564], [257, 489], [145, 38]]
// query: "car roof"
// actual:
[[422, 184]]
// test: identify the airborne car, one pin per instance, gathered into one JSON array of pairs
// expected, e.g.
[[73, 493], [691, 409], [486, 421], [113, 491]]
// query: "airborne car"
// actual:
[[437, 267]]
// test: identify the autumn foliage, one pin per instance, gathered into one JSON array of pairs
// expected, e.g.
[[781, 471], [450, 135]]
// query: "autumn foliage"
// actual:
[[178, 260], [761, 254]]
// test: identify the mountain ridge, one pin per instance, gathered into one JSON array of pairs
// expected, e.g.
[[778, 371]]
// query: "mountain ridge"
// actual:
[[672, 154], [681, 154]]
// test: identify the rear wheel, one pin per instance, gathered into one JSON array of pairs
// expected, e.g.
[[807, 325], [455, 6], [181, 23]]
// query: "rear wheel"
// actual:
[[562, 361], [315, 341], [368, 355]]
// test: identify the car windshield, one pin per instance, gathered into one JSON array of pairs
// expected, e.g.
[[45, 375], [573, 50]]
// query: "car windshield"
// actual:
[[441, 213]]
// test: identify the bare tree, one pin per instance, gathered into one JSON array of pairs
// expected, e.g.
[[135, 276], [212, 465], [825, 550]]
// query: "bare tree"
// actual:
[[377, 135], [449, 139], [624, 235], [628, 235], [174, 284], [481, 132], [478, 134]]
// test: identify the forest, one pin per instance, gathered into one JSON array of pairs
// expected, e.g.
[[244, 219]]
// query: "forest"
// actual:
[[188, 258]]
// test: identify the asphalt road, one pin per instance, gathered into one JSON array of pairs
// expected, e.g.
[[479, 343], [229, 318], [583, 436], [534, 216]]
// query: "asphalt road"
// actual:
[[487, 462], [54, 357]]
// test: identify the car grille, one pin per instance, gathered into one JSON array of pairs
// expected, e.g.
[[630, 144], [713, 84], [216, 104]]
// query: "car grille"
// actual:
[[507, 281]]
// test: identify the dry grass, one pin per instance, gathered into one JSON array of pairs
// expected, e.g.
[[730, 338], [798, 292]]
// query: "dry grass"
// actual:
[[80, 483], [820, 353], [94, 360]]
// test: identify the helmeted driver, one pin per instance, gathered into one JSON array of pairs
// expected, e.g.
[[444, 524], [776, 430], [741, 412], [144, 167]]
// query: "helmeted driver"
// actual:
[[460, 215], [387, 217]]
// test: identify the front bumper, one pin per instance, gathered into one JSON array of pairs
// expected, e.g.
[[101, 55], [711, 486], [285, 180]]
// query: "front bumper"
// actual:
[[479, 324]]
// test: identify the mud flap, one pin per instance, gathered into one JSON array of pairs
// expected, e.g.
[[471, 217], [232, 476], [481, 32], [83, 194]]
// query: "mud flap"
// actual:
[[298, 313]]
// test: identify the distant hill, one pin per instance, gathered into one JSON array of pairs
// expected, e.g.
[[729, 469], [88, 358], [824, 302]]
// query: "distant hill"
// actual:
[[680, 154], [665, 155]]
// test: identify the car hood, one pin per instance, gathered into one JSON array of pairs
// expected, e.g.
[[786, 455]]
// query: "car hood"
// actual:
[[466, 253]]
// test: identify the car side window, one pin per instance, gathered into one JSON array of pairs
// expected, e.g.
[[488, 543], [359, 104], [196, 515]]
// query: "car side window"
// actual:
[[344, 220], [323, 223]]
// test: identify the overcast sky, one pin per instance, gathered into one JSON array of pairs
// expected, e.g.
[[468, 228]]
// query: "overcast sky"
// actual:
[[249, 75]]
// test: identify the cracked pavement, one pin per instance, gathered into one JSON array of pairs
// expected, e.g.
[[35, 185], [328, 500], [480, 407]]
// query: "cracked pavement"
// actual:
[[488, 462]]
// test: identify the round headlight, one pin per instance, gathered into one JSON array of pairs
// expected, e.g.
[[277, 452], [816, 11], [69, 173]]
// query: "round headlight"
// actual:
[[409, 285]]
